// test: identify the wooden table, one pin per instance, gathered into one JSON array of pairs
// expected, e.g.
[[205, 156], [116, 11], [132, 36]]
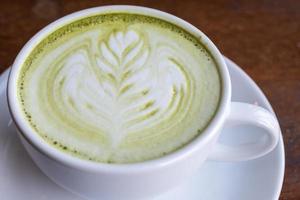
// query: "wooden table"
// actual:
[[263, 37]]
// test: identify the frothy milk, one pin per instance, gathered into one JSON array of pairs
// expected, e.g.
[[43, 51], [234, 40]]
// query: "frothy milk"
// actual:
[[119, 88]]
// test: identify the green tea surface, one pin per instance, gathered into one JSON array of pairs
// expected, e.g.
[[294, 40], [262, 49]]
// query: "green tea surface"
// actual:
[[119, 88]]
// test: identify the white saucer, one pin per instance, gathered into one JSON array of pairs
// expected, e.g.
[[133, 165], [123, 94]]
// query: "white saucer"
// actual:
[[260, 179]]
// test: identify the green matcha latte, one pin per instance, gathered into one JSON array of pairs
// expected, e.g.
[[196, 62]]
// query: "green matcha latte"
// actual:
[[119, 88]]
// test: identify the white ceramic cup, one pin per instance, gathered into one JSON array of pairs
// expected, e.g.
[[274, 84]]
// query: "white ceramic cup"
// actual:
[[145, 179]]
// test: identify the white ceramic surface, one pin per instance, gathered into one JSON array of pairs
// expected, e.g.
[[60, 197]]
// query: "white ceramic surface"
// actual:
[[152, 177], [259, 179]]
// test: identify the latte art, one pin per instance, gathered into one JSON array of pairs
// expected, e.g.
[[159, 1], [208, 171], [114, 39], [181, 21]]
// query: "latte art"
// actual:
[[123, 88], [120, 93]]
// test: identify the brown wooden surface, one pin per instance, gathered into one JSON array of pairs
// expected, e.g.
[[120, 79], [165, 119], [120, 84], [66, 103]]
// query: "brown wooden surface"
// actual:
[[262, 36]]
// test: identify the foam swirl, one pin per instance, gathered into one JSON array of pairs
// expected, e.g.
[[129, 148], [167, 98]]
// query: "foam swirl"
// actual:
[[113, 96]]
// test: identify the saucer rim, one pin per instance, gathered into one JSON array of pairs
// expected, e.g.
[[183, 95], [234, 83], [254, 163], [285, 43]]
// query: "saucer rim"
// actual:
[[258, 90]]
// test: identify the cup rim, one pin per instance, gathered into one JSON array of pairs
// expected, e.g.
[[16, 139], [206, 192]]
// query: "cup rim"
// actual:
[[42, 146]]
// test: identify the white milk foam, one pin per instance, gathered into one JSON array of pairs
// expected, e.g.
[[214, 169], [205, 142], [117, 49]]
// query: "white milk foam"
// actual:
[[119, 91]]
